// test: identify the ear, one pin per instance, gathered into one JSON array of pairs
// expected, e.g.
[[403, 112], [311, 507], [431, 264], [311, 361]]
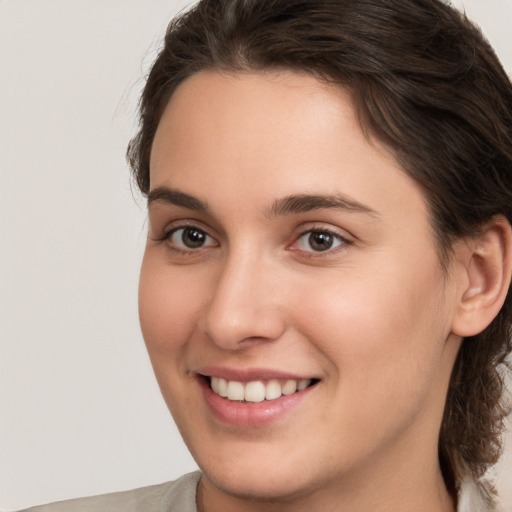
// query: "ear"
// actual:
[[486, 268]]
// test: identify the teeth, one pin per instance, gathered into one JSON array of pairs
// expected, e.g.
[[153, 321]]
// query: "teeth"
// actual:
[[290, 386], [235, 390], [256, 391], [303, 384], [223, 388], [272, 390]]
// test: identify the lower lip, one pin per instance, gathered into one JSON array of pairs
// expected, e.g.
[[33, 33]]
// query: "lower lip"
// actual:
[[249, 414]]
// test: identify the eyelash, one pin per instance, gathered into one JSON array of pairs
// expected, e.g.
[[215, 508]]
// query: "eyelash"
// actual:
[[337, 238], [167, 236], [342, 242]]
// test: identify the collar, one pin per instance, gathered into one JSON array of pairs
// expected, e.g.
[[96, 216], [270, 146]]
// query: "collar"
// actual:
[[473, 498]]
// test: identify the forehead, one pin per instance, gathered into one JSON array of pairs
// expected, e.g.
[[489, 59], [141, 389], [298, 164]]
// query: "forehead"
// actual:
[[275, 111], [258, 136]]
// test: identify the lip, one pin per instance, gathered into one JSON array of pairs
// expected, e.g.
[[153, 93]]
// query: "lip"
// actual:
[[249, 374], [247, 414]]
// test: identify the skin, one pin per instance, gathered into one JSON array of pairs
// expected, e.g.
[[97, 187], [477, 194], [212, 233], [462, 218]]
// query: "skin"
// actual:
[[371, 317]]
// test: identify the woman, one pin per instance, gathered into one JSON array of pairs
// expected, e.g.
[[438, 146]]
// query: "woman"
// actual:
[[325, 293]]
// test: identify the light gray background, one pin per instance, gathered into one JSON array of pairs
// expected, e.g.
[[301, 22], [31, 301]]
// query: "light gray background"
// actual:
[[80, 412]]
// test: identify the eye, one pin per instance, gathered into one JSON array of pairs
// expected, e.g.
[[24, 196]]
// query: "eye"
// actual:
[[190, 237], [318, 241]]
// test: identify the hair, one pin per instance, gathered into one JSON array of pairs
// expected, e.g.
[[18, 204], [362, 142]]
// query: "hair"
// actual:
[[426, 84]]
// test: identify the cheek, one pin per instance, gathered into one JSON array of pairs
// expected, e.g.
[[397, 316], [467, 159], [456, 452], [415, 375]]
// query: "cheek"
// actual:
[[168, 315], [383, 335], [167, 307]]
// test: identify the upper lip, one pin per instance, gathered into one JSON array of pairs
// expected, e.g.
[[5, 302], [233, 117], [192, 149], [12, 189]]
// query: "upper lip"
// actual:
[[249, 374]]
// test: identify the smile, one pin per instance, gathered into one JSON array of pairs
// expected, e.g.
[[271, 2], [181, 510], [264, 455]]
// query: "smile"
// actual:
[[253, 398], [257, 391]]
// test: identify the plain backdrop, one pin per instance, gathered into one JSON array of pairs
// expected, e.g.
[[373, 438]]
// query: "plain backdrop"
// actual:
[[80, 411]]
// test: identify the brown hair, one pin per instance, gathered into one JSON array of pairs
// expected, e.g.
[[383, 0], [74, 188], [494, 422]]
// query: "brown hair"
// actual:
[[427, 84]]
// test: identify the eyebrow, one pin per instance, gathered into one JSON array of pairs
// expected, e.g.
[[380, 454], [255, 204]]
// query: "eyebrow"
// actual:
[[306, 203], [175, 197], [293, 204]]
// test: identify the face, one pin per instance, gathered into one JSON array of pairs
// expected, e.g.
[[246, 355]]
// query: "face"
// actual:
[[291, 266]]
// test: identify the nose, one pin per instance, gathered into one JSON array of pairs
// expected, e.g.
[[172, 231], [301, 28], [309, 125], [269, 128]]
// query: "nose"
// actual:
[[246, 305]]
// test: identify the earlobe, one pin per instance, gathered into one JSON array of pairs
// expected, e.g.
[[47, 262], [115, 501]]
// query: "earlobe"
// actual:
[[488, 269]]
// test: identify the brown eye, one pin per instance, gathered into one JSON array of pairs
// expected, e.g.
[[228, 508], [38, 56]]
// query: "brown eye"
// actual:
[[193, 238], [190, 238], [319, 241]]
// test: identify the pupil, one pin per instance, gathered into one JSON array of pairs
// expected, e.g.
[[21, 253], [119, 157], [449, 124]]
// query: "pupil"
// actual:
[[193, 238], [320, 241]]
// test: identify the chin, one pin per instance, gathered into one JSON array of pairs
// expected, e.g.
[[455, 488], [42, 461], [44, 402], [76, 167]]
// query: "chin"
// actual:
[[268, 472], [258, 484]]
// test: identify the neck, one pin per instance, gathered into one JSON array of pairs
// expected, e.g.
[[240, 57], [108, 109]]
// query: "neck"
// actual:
[[395, 490]]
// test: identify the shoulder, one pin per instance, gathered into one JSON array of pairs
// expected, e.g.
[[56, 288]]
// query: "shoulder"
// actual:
[[178, 496], [474, 497]]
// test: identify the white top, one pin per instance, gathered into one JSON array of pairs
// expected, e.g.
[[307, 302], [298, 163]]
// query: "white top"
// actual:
[[180, 496]]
